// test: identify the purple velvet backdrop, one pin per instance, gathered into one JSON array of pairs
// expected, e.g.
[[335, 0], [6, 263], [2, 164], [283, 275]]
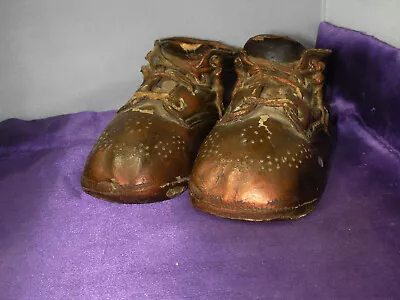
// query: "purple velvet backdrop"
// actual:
[[58, 243]]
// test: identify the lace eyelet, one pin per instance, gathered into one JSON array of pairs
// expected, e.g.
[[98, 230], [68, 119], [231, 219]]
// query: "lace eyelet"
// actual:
[[215, 61]]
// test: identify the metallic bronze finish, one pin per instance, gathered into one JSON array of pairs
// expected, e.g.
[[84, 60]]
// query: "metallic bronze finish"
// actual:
[[267, 158], [146, 152]]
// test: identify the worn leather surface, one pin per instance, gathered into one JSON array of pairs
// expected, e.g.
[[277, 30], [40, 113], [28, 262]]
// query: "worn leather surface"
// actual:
[[268, 157], [146, 152]]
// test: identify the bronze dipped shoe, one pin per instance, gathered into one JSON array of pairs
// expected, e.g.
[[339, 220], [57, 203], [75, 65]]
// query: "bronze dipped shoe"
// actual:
[[267, 158], [146, 152]]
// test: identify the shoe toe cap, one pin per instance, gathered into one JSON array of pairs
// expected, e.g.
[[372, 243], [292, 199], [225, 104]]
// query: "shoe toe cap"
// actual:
[[252, 172], [138, 158]]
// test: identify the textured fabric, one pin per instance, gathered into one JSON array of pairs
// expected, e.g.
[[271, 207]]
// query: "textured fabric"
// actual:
[[58, 243], [366, 73]]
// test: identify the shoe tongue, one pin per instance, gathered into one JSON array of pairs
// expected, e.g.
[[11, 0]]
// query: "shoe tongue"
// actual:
[[274, 48]]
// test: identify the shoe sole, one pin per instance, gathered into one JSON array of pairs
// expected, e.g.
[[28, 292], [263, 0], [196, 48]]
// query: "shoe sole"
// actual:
[[214, 206], [135, 194]]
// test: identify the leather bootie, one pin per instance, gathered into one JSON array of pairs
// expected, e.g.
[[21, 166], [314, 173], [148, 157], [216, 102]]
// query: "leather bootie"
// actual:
[[146, 152], [267, 158]]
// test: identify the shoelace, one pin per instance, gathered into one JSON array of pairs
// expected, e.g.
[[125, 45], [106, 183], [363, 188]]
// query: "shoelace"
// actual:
[[296, 109], [208, 63]]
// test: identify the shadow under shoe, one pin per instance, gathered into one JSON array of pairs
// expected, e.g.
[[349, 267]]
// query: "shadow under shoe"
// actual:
[[146, 152], [268, 156]]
